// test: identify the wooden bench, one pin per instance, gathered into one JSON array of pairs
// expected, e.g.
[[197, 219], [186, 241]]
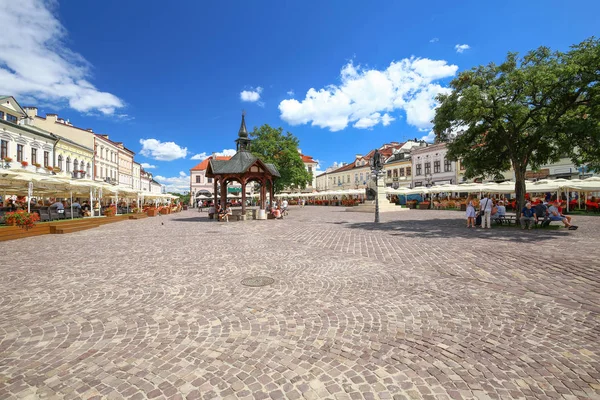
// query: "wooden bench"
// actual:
[[71, 229]]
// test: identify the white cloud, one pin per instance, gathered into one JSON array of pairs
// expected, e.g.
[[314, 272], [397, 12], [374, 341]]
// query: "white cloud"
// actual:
[[162, 151], [429, 138], [204, 155], [434, 40], [366, 97], [145, 165], [251, 95], [35, 62], [177, 184], [460, 48], [290, 92]]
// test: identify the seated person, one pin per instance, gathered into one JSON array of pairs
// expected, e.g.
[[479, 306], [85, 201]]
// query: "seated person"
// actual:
[[527, 216], [556, 215], [59, 206], [500, 211], [276, 212], [222, 213], [85, 209], [541, 212]]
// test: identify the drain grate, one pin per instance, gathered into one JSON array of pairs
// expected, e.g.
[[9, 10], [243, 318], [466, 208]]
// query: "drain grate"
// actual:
[[258, 281]]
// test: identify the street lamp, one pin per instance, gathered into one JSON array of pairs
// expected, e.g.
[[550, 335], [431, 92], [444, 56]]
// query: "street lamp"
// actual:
[[376, 165]]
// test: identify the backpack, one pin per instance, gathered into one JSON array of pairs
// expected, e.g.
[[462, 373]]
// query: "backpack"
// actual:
[[541, 211]]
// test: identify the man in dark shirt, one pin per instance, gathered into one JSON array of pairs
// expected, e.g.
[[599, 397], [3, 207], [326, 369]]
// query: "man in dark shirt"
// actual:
[[527, 216]]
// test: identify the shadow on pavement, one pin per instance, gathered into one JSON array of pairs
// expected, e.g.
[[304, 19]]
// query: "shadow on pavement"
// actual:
[[444, 228]]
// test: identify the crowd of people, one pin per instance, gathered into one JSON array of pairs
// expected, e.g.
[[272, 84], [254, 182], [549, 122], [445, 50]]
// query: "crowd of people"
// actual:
[[542, 211]]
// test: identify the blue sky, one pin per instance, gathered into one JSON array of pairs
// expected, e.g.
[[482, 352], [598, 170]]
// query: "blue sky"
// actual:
[[170, 79]]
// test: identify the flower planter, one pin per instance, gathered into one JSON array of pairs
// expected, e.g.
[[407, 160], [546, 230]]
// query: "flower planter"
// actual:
[[423, 206], [152, 212], [165, 211]]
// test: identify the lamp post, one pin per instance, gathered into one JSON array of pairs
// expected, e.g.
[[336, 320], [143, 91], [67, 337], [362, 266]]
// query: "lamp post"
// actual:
[[376, 165]]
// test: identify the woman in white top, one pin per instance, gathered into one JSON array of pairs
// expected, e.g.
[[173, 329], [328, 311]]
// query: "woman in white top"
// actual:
[[470, 212]]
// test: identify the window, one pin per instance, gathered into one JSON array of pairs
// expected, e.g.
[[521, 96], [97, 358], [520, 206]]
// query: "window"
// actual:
[[447, 165], [210, 180], [87, 169], [395, 173], [1, 115], [19, 152], [348, 178], [462, 166], [339, 180], [355, 177], [34, 156], [418, 169], [3, 149], [75, 165], [68, 164], [401, 171], [436, 167], [310, 169], [389, 173], [12, 118], [60, 160], [361, 177], [46, 159], [198, 179], [428, 168], [408, 171]]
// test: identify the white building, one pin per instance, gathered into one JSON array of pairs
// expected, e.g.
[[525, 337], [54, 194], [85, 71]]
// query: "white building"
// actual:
[[23, 146], [431, 167], [106, 159], [137, 183]]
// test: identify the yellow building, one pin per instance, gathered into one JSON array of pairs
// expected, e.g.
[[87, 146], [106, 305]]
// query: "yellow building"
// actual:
[[74, 150]]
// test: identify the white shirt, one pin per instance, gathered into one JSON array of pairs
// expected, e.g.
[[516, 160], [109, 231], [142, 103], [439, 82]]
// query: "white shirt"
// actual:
[[284, 203], [486, 204]]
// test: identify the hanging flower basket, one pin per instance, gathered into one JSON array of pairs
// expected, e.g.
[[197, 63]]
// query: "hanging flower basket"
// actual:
[[37, 165], [24, 163], [7, 159]]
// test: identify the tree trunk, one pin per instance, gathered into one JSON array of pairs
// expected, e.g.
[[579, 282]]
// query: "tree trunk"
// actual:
[[519, 187]]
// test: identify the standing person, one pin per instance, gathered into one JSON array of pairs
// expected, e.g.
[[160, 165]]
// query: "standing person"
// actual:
[[486, 211], [527, 216], [470, 212], [284, 206]]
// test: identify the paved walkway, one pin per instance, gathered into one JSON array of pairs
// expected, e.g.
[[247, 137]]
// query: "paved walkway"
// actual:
[[418, 306]]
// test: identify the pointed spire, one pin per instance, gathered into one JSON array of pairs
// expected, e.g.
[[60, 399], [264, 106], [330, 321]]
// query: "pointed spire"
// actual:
[[243, 133]]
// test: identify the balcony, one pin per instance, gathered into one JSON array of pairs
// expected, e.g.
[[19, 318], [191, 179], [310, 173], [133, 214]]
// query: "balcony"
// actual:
[[111, 181]]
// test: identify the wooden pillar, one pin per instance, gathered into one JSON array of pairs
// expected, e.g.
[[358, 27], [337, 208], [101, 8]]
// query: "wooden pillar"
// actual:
[[272, 191], [243, 197], [215, 193], [263, 195], [223, 193]]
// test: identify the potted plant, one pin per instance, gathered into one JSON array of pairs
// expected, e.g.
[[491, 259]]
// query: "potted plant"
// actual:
[[56, 169], [37, 165], [424, 205], [411, 204], [24, 163], [22, 219], [110, 211], [152, 212], [49, 168], [7, 159]]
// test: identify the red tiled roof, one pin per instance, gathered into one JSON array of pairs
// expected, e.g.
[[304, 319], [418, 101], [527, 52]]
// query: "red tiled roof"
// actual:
[[204, 164], [307, 159]]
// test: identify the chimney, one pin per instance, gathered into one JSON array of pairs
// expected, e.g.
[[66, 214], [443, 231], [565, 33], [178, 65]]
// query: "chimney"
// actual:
[[105, 136], [90, 130], [31, 111], [358, 156], [214, 156], [52, 117]]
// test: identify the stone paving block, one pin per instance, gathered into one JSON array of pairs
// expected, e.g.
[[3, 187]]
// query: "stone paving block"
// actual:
[[417, 306]]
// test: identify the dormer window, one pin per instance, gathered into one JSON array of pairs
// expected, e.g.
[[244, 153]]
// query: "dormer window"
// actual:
[[12, 118]]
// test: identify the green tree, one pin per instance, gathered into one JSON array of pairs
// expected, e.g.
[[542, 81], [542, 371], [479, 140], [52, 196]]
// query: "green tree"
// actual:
[[183, 198], [524, 112], [273, 146]]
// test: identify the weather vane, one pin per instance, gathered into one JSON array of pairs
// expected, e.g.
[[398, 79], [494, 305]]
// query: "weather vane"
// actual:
[[243, 113]]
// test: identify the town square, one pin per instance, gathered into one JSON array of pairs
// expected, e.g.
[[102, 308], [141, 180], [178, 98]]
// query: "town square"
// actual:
[[299, 200], [415, 307]]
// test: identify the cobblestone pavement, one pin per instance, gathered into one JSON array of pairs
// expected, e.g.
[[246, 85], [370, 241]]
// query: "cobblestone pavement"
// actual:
[[418, 306]]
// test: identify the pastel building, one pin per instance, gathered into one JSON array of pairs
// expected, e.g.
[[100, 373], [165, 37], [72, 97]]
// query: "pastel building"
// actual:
[[430, 166], [125, 166], [137, 170], [22, 145], [74, 147], [398, 167], [106, 167]]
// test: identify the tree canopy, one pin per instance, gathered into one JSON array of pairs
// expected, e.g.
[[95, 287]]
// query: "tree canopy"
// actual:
[[524, 112], [273, 146]]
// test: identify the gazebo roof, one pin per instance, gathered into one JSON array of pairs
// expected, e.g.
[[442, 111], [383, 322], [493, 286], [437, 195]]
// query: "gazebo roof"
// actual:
[[239, 164]]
